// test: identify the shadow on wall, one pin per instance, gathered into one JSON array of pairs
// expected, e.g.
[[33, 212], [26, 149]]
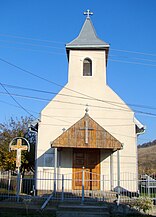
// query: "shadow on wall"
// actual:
[[127, 193], [65, 158], [46, 159]]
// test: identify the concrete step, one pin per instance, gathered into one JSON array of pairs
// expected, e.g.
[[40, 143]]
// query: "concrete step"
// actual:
[[90, 195], [81, 214], [82, 211]]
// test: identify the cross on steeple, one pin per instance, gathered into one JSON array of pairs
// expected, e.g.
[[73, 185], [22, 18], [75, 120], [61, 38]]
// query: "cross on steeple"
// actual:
[[88, 13]]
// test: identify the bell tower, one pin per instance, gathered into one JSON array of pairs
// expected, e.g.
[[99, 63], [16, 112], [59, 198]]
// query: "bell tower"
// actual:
[[87, 55]]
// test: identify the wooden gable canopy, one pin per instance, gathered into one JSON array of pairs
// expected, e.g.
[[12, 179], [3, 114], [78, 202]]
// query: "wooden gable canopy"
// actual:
[[86, 133]]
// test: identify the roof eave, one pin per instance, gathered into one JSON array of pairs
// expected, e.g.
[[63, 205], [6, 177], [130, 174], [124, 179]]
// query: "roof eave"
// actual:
[[140, 128], [87, 46]]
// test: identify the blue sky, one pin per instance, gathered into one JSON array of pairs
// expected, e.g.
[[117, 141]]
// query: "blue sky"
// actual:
[[33, 35]]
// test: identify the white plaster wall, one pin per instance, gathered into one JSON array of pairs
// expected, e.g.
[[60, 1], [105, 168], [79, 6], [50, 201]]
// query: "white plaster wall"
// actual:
[[63, 112]]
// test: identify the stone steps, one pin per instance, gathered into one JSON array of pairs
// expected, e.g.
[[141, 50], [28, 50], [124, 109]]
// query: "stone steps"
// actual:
[[90, 196], [82, 211]]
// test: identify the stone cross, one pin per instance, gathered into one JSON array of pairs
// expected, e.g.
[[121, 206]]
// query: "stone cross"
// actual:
[[18, 148], [88, 13]]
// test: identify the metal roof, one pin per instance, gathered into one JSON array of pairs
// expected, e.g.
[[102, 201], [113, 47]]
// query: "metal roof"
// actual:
[[87, 38]]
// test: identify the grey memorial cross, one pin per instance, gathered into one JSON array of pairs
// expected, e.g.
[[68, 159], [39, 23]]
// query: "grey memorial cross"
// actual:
[[19, 148], [88, 13]]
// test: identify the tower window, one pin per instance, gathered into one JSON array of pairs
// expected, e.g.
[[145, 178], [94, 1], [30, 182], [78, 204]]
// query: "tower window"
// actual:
[[87, 67]]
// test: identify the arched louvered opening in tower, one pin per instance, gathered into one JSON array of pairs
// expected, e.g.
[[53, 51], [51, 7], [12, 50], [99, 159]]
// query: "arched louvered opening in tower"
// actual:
[[87, 67]]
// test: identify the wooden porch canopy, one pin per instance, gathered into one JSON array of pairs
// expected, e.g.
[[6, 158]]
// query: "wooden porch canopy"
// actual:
[[86, 133]]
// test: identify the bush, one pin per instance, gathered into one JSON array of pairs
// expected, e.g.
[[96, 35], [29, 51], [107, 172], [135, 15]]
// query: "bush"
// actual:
[[142, 204]]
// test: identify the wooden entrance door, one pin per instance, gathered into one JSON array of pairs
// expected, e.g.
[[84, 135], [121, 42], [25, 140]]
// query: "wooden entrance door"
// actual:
[[90, 160]]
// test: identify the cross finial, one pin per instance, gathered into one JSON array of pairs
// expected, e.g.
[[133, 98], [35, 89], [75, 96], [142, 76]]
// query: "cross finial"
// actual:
[[64, 129], [88, 13], [86, 110]]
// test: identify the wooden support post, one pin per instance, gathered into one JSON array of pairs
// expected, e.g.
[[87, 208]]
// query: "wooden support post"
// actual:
[[62, 187], [118, 173], [83, 185], [111, 173], [55, 169]]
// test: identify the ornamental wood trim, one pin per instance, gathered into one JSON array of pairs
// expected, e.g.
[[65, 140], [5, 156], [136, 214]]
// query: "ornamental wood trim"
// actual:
[[98, 137]]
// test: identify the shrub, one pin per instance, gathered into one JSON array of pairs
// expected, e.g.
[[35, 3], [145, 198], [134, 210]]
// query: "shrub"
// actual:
[[142, 204]]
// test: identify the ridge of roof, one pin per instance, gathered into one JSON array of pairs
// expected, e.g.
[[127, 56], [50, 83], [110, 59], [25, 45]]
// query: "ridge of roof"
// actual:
[[87, 37]]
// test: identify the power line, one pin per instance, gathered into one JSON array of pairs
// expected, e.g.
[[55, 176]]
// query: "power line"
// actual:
[[31, 73], [65, 102], [122, 61], [147, 113], [131, 62], [47, 80], [58, 116], [61, 42], [56, 125], [133, 52], [28, 72], [111, 49], [81, 104], [113, 60], [16, 100], [32, 39], [63, 125], [47, 46], [79, 97], [28, 49], [35, 45]]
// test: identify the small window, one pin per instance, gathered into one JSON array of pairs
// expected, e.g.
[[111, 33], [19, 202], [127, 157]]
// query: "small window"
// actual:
[[87, 67]]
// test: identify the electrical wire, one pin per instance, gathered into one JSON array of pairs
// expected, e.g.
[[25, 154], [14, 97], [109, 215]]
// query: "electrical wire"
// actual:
[[35, 45], [16, 101], [81, 104], [107, 118], [63, 43], [133, 52], [46, 46], [131, 62], [63, 53], [79, 97], [32, 39], [56, 125], [33, 74]]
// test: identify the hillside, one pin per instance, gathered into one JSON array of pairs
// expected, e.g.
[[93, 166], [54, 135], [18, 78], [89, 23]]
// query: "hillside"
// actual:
[[147, 158]]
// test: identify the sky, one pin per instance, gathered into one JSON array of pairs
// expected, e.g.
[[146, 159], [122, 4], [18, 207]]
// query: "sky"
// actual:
[[33, 34]]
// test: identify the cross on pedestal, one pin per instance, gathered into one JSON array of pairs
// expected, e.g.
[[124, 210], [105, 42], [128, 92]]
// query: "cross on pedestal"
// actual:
[[86, 128], [18, 148], [88, 13]]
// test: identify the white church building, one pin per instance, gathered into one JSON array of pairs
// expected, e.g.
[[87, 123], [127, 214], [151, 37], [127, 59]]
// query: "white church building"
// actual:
[[87, 129]]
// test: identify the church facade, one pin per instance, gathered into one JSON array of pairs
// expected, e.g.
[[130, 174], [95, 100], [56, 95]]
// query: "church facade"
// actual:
[[87, 126]]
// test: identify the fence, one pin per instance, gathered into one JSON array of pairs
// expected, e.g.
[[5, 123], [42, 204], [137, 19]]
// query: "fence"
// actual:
[[84, 187]]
